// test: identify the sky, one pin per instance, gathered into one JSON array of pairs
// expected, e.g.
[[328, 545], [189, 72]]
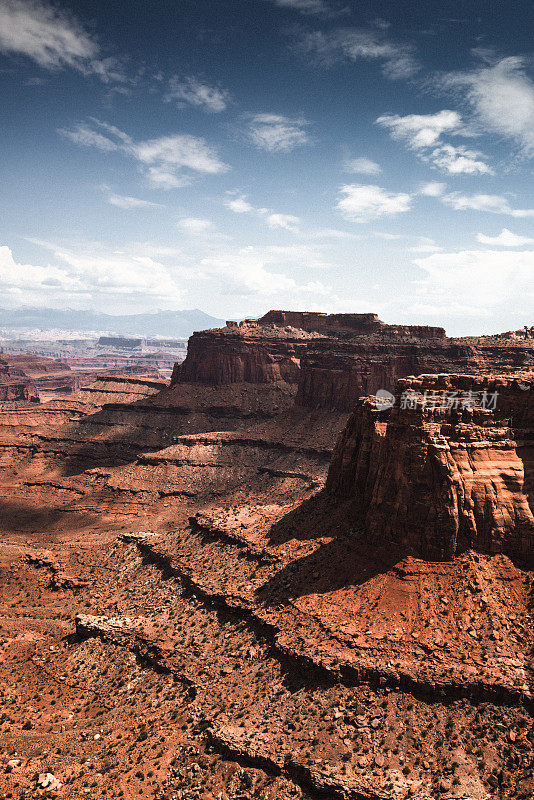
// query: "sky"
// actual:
[[242, 155]]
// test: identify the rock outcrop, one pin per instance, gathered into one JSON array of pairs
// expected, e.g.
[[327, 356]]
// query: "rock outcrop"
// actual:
[[249, 352], [24, 377], [448, 468], [333, 359]]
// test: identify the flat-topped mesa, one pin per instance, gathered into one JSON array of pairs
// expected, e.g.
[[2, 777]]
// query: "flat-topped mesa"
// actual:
[[450, 467], [270, 349], [245, 353], [333, 359], [355, 324]]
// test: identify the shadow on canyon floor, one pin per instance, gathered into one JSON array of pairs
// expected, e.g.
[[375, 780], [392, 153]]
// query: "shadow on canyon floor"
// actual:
[[347, 560], [30, 519]]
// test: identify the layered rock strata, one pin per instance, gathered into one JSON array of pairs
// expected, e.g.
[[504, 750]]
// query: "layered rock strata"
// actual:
[[448, 468], [335, 359]]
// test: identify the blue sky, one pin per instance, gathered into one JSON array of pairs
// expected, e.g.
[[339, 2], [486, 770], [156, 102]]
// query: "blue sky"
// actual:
[[242, 155]]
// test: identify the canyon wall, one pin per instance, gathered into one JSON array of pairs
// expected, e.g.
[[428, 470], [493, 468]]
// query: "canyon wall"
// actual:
[[335, 359], [248, 353], [437, 481]]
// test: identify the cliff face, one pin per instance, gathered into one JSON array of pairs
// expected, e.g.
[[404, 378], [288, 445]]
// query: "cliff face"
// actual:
[[243, 354], [440, 481], [335, 373], [334, 359]]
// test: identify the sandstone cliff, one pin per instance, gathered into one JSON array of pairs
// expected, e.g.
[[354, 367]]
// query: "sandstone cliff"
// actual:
[[335, 359], [439, 481], [248, 353]]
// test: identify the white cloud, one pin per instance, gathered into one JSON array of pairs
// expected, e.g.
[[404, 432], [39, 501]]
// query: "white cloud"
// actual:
[[86, 136], [423, 132], [194, 226], [179, 151], [505, 239], [433, 189], [86, 275], [239, 205], [476, 283], [502, 95], [162, 159], [286, 221], [362, 166], [278, 134], [459, 160], [363, 203], [192, 91], [52, 38], [355, 44], [128, 202], [256, 271], [492, 203]]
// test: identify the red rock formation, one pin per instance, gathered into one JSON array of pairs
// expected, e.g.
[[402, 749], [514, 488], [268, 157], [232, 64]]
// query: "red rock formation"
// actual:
[[440, 481], [335, 373], [25, 376], [249, 353], [335, 359], [355, 324]]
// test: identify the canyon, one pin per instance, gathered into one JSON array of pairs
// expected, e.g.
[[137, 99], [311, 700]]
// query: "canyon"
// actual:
[[258, 580], [25, 377]]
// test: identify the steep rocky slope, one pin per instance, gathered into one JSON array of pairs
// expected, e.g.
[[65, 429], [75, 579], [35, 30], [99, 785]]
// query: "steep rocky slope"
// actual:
[[448, 468]]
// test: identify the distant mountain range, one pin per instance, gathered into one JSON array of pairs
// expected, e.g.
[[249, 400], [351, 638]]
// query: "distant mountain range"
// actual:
[[170, 324]]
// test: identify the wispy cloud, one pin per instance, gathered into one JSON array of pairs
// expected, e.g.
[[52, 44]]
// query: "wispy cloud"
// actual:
[[238, 203], [422, 133], [310, 7], [278, 134], [502, 96], [53, 39], [362, 166], [126, 201], [358, 44], [505, 239], [194, 226], [364, 203], [162, 160], [492, 203], [432, 189], [252, 270], [287, 222], [86, 136], [192, 91]]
